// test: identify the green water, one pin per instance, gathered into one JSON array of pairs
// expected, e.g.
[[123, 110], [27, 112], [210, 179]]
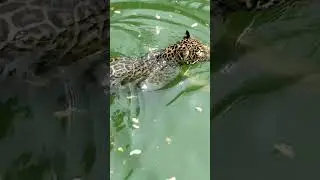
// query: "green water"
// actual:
[[266, 92], [172, 133]]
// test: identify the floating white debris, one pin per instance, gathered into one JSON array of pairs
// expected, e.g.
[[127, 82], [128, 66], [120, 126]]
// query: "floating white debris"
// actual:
[[199, 109], [139, 35], [158, 30], [194, 25], [170, 16], [112, 143], [285, 149], [168, 140], [135, 152], [135, 126], [117, 12], [135, 120], [172, 178], [157, 16], [144, 86], [151, 49], [131, 97], [120, 149]]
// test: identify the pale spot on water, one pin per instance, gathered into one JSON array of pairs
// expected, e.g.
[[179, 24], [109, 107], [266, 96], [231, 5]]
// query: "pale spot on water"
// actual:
[[135, 120], [135, 126], [158, 29], [199, 109], [168, 140], [131, 97], [151, 49], [144, 87], [194, 25], [135, 152], [171, 178]]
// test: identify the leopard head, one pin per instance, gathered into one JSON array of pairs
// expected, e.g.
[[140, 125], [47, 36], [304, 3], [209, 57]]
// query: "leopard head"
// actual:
[[187, 51]]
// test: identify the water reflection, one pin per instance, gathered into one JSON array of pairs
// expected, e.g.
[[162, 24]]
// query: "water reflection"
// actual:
[[57, 131], [265, 106]]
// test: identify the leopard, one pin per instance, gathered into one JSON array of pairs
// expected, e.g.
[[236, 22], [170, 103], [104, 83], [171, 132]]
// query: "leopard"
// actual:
[[154, 67]]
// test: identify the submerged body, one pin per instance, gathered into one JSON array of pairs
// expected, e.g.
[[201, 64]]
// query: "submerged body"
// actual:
[[154, 66]]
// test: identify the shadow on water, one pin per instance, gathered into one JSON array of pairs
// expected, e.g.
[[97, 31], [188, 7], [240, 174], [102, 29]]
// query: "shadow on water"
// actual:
[[267, 94], [150, 129]]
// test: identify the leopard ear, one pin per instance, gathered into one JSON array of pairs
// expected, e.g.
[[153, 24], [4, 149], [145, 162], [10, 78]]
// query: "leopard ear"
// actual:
[[187, 36]]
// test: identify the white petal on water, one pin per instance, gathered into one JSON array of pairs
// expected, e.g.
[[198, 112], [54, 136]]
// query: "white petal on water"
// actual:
[[131, 97], [151, 49], [135, 126], [135, 152], [112, 143], [117, 12], [168, 140], [135, 120], [172, 178], [158, 30], [199, 109], [157, 16], [144, 86], [194, 25], [120, 149]]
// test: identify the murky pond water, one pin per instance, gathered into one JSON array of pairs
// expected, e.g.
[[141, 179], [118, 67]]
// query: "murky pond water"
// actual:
[[161, 134], [266, 94], [51, 128], [53, 131]]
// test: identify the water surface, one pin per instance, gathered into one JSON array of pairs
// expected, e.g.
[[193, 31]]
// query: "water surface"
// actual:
[[170, 127], [266, 93]]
